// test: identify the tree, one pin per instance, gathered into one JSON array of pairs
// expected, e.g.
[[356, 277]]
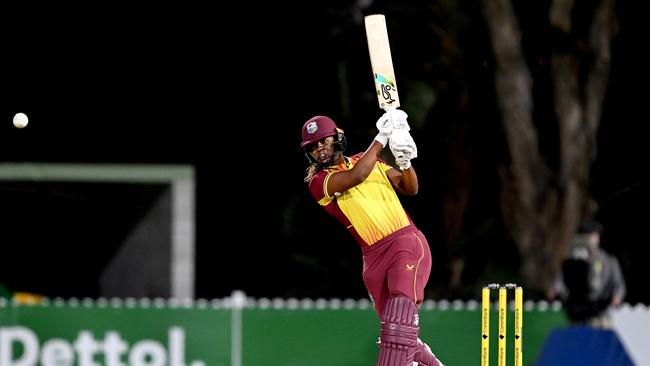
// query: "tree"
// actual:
[[541, 203]]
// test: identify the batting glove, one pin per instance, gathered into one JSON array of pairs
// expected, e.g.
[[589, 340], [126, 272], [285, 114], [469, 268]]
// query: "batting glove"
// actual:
[[385, 125], [393, 119], [382, 139], [398, 119], [403, 163], [402, 145]]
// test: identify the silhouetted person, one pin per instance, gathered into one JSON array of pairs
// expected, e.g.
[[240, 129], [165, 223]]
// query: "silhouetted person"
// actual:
[[591, 282]]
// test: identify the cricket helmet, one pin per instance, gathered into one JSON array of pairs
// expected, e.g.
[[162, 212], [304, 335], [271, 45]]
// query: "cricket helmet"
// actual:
[[317, 128]]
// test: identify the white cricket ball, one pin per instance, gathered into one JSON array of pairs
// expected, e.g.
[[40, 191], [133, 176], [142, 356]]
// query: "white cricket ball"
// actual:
[[20, 120]]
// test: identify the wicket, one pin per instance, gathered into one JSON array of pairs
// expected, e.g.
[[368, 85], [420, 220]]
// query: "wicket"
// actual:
[[485, 323]]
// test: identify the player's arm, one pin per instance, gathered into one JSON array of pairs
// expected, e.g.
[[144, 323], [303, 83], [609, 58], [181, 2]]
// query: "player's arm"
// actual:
[[344, 180], [405, 181]]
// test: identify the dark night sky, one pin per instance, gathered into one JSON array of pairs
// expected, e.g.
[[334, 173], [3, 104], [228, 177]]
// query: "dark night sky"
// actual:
[[227, 91]]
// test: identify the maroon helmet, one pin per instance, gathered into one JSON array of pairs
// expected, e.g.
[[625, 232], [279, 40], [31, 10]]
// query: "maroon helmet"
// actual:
[[317, 128]]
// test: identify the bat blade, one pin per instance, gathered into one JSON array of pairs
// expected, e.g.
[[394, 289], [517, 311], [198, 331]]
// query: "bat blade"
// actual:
[[381, 61]]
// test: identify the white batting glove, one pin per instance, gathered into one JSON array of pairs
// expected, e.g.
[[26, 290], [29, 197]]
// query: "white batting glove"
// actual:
[[405, 152], [382, 139], [403, 157], [402, 145], [393, 119], [403, 163], [385, 125], [403, 148], [385, 129], [398, 119]]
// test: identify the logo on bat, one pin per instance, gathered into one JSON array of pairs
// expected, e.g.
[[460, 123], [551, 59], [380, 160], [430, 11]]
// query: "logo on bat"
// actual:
[[387, 86]]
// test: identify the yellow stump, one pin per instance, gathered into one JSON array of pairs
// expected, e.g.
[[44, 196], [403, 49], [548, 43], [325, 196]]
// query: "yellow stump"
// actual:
[[503, 302], [485, 327], [519, 323]]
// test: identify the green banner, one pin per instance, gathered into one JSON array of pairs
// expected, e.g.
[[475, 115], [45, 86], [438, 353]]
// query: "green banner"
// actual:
[[348, 337], [85, 334], [91, 336]]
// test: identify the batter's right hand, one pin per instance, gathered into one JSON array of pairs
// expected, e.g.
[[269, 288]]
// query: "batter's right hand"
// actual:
[[385, 125]]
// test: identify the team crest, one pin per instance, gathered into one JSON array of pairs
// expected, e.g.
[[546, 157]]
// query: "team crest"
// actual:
[[312, 127]]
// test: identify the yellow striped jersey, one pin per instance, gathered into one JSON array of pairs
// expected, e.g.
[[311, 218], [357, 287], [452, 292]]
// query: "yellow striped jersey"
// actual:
[[371, 210]]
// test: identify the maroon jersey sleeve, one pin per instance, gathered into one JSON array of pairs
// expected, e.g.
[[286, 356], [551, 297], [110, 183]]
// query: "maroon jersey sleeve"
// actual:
[[316, 185]]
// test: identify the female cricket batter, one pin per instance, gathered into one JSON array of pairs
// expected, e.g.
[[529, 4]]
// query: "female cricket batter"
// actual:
[[360, 192]]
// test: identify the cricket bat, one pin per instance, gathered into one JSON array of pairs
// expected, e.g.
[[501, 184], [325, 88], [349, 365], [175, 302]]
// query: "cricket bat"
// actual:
[[381, 61]]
